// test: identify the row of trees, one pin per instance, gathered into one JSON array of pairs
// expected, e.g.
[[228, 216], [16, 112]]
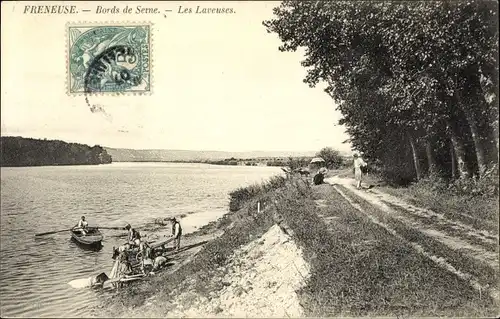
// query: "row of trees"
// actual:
[[20, 151], [416, 82], [228, 161]]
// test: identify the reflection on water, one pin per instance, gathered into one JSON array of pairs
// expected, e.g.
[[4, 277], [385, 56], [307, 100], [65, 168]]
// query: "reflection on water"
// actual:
[[35, 271], [95, 247]]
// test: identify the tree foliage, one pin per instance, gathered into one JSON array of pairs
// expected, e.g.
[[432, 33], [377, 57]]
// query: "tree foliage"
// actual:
[[298, 162], [416, 82], [332, 157], [20, 151]]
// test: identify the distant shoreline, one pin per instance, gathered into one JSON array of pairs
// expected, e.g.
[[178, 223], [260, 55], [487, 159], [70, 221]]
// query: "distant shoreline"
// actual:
[[50, 165], [237, 162], [19, 151], [115, 162]]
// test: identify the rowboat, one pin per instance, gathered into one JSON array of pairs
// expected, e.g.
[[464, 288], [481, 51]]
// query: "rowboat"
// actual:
[[92, 238]]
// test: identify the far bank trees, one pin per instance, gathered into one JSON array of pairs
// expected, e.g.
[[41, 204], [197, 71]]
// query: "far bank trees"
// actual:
[[20, 151]]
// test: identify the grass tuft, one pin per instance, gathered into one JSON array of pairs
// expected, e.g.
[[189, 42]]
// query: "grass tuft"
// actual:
[[480, 210], [239, 197]]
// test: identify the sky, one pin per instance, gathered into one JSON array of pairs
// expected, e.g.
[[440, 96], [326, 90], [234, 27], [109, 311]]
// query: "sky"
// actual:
[[219, 83]]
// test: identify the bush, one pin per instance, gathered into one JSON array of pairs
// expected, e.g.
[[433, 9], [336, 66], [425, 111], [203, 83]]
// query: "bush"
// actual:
[[471, 200], [242, 195], [467, 187], [397, 175], [484, 186], [332, 157], [275, 163], [295, 163]]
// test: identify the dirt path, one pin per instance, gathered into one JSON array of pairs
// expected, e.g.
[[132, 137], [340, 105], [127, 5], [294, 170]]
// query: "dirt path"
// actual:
[[477, 244]]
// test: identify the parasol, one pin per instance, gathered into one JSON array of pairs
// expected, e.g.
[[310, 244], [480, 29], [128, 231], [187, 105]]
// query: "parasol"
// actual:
[[317, 160]]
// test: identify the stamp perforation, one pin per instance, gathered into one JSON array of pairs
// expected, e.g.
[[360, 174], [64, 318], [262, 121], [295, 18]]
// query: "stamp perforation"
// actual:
[[151, 26]]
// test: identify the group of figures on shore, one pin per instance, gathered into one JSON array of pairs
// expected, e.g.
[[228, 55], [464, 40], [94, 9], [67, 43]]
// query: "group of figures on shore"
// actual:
[[360, 167], [137, 256]]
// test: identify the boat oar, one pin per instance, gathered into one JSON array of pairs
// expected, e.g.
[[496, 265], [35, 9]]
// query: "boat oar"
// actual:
[[116, 228], [53, 232]]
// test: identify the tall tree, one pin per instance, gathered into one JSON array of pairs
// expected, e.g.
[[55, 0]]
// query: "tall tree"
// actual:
[[403, 66], [332, 157]]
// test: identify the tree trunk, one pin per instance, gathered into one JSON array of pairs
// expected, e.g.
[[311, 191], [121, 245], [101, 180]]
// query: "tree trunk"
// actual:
[[478, 143], [492, 136], [490, 94], [430, 157], [453, 163], [459, 149], [456, 123], [416, 161]]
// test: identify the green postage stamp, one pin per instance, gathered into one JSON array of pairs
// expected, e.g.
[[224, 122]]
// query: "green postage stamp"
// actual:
[[109, 58]]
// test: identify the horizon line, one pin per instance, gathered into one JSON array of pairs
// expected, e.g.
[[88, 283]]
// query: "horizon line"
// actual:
[[172, 149], [201, 150]]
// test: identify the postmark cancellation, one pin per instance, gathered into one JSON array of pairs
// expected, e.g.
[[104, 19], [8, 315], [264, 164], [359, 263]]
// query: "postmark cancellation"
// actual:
[[108, 58]]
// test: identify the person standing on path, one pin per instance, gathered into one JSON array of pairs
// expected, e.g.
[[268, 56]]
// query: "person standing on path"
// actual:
[[358, 164], [176, 233]]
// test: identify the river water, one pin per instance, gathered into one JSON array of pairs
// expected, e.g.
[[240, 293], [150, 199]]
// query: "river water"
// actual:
[[35, 271]]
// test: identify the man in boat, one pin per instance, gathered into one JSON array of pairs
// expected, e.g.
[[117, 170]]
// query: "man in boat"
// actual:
[[176, 233], [82, 226]]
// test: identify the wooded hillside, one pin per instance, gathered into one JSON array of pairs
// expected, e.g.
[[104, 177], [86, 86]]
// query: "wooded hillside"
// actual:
[[20, 151]]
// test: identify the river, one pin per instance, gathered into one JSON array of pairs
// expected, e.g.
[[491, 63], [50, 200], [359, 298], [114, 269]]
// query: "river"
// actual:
[[35, 271]]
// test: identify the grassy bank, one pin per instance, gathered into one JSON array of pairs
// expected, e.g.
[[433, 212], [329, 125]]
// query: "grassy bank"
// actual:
[[484, 274], [359, 269], [256, 193], [474, 203], [236, 228], [356, 267]]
